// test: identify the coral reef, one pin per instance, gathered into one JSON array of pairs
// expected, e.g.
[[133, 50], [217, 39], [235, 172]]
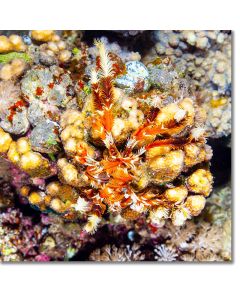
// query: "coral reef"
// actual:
[[206, 57], [113, 137], [120, 181]]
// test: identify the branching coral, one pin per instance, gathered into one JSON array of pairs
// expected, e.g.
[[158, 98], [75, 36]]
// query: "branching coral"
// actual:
[[165, 253], [112, 253], [197, 242]]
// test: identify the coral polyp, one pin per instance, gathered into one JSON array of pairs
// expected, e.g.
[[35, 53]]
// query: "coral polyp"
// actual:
[[123, 153]]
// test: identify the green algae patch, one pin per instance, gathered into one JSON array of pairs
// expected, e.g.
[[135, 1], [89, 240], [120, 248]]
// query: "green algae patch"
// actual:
[[5, 58]]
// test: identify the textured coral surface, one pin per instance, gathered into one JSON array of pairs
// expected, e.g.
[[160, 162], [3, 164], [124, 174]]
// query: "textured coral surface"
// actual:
[[106, 144]]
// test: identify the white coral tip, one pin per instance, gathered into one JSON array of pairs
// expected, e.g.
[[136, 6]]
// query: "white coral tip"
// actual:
[[92, 224]]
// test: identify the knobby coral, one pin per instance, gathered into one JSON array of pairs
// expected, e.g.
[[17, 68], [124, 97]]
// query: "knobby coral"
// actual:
[[122, 155]]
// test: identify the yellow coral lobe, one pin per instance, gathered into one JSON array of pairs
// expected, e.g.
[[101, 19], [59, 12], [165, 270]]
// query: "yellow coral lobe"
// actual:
[[56, 205], [23, 145], [200, 182], [53, 188], [180, 215], [24, 191], [158, 215], [5, 141], [13, 154], [36, 198], [12, 43], [64, 55], [5, 44], [157, 151], [195, 153], [43, 35], [70, 146], [215, 103], [69, 172], [175, 117], [30, 161], [47, 200], [177, 194], [141, 178], [195, 204], [167, 113], [13, 69], [167, 167]]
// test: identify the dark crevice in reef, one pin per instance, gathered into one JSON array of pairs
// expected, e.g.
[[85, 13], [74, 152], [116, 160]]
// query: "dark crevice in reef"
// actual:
[[27, 210], [106, 236], [140, 42], [221, 160]]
